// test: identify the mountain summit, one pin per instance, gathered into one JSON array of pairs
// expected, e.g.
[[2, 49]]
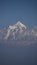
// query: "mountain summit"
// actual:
[[18, 28], [18, 24], [20, 32]]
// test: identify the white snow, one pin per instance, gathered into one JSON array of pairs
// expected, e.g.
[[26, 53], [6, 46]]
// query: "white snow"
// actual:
[[7, 35], [17, 24], [20, 24], [14, 27]]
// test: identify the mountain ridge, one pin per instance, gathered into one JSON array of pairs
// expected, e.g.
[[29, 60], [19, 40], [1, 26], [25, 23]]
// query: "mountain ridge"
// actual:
[[19, 32]]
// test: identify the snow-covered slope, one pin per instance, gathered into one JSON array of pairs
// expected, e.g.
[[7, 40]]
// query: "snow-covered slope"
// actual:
[[18, 31], [12, 30]]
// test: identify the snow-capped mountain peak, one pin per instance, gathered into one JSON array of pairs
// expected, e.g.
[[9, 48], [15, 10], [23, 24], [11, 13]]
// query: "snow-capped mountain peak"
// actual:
[[20, 32], [20, 24], [18, 27]]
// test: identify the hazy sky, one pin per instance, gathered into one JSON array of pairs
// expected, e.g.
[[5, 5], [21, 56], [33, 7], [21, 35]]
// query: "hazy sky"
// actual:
[[12, 11]]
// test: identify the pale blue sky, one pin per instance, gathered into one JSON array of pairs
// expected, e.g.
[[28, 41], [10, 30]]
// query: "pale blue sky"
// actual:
[[12, 11]]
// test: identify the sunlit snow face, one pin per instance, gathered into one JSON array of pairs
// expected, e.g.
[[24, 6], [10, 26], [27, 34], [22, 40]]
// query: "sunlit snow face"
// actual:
[[12, 27], [20, 24], [15, 27], [17, 24]]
